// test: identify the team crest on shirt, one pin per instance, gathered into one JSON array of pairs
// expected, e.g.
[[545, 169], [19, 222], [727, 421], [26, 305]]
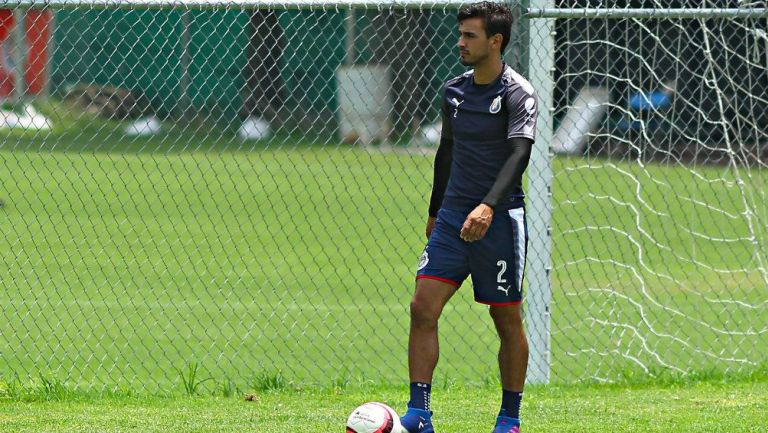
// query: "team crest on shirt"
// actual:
[[423, 260], [530, 109], [496, 105], [530, 106]]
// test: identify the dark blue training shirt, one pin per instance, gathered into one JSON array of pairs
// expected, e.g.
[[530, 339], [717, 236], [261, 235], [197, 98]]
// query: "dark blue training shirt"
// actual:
[[480, 119]]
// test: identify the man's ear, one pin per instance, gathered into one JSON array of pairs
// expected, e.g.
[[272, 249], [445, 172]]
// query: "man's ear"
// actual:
[[497, 39]]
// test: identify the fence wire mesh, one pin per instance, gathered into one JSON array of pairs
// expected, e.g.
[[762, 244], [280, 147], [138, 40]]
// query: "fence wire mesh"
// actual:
[[244, 191], [660, 222]]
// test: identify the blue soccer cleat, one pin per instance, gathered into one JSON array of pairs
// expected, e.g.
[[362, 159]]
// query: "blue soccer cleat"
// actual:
[[417, 421], [505, 424]]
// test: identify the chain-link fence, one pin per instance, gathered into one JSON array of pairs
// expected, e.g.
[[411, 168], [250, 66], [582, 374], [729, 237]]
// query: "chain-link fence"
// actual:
[[243, 189]]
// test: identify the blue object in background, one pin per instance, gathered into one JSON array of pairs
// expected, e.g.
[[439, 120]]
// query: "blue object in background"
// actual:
[[653, 100], [645, 103]]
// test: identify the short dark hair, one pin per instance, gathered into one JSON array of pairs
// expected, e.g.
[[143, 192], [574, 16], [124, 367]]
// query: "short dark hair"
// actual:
[[497, 17]]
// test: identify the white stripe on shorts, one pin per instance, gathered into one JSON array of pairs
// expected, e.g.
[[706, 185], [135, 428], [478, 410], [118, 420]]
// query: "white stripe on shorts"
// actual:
[[518, 215]]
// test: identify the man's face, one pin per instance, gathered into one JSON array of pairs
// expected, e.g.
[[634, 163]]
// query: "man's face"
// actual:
[[474, 45]]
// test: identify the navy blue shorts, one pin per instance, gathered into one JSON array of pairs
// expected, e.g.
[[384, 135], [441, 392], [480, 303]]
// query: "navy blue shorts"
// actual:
[[496, 262]]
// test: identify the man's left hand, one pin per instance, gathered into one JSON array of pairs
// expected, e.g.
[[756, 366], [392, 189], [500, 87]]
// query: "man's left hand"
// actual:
[[477, 223]]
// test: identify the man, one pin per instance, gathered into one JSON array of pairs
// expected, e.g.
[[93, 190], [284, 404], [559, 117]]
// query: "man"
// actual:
[[263, 94], [476, 221]]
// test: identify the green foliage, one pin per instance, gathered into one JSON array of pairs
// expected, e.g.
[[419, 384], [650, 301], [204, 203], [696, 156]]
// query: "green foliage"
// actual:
[[737, 404], [52, 389], [342, 381], [446, 382], [10, 389], [265, 382], [226, 388], [190, 380]]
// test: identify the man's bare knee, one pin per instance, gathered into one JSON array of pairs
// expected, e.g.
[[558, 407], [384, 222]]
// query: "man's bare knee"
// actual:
[[428, 302], [424, 312], [508, 321]]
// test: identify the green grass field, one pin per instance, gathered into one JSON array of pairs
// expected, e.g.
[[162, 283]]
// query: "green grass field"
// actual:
[[737, 406], [127, 261]]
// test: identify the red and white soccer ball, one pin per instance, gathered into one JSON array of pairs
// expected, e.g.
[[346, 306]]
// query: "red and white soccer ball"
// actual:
[[374, 418]]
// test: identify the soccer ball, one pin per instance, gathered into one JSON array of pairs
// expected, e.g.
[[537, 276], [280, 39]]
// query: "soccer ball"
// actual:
[[374, 418]]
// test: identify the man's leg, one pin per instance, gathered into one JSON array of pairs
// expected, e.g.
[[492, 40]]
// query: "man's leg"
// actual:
[[263, 93], [423, 350], [426, 306], [513, 364]]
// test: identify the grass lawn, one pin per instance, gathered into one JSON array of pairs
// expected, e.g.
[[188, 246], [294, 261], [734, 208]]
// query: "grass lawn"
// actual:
[[126, 261], [736, 406]]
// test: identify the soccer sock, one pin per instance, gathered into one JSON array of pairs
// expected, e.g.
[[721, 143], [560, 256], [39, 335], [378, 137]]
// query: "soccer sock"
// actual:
[[510, 403], [420, 395]]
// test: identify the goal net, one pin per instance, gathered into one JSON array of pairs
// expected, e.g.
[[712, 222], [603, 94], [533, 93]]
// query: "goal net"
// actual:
[[659, 205]]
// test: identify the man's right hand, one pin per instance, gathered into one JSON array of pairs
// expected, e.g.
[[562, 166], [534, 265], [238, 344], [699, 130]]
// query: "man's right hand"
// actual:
[[430, 226]]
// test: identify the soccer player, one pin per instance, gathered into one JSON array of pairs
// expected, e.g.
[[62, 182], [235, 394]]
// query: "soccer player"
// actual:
[[263, 94], [476, 223]]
